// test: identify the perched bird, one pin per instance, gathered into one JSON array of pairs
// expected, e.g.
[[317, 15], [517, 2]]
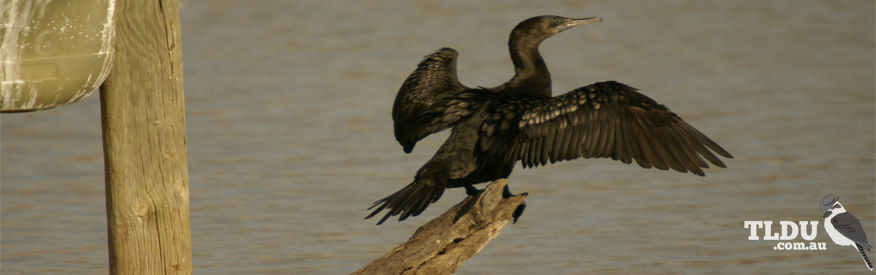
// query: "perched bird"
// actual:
[[493, 128], [843, 228]]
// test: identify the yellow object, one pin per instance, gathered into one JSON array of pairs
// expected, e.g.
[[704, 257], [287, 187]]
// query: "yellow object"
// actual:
[[53, 52]]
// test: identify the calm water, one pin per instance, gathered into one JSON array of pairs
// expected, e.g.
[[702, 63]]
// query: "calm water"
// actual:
[[290, 137]]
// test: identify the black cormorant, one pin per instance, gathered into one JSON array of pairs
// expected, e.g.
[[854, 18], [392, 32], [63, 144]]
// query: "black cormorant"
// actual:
[[493, 128]]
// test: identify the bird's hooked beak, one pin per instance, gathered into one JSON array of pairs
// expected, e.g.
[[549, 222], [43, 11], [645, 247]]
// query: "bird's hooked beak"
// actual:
[[578, 21]]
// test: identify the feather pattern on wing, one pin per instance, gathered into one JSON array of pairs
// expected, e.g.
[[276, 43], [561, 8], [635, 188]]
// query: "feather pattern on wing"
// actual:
[[601, 120], [427, 101], [849, 226]]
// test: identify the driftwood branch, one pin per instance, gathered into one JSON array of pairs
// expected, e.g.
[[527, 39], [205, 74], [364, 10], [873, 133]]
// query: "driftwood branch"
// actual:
[[443, 244]]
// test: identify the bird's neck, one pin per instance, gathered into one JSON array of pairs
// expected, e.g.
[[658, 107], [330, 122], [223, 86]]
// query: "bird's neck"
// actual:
[[531, 75]]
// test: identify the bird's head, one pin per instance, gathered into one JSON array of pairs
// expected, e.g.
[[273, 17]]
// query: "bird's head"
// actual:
[[541, 27], [830, 204]]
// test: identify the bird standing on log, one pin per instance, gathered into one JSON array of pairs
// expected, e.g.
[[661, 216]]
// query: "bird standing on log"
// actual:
[[519, 120]]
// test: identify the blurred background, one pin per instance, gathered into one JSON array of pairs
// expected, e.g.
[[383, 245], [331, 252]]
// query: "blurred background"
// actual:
[[290, 137]]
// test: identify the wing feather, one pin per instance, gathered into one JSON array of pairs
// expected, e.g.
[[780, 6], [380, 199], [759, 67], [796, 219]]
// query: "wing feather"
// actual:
[[546, 148], [558, 145], [577, 145]]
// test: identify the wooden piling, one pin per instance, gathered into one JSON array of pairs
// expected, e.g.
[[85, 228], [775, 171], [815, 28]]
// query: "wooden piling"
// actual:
[[143, 120]]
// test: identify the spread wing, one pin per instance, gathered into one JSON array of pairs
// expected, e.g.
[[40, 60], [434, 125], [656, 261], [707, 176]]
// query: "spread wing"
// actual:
[[602, 120], [850, 227], [426, 102]]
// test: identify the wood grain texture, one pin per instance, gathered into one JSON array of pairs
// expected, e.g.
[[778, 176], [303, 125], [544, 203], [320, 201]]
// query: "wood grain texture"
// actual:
[[445, 243], [143, 119]]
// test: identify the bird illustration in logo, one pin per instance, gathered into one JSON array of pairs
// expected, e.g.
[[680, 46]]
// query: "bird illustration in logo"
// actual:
[[843, 228]]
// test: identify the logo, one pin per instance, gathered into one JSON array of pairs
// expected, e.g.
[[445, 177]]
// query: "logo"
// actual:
[[843, 228], [789, 231]]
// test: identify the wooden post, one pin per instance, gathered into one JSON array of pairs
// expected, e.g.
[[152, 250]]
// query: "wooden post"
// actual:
[[442, 245], [143, 119]]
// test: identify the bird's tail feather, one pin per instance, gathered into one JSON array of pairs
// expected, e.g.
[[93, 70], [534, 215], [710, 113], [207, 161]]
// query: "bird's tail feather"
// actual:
[[409, 201], [864, 255]]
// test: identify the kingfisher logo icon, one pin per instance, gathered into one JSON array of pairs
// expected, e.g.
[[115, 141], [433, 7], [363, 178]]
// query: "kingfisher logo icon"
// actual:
[[843, 228]]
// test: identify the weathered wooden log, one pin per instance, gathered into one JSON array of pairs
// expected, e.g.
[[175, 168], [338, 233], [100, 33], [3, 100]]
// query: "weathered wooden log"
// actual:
[[443, 244], [143, 115]]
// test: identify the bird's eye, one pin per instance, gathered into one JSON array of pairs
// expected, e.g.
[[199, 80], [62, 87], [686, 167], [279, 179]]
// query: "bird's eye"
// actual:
[[560, 22], [836, 206]]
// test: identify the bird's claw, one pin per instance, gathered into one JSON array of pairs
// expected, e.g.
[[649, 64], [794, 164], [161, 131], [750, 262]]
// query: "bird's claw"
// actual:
[[506, 192], [518, 212], [471, 190]]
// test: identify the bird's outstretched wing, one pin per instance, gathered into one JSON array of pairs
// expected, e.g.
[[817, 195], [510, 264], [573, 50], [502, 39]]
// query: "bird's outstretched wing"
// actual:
[[426, 101], [850, 227], [601, 120]]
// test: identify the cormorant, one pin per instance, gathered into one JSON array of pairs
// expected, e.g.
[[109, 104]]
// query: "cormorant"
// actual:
[[493, 128]]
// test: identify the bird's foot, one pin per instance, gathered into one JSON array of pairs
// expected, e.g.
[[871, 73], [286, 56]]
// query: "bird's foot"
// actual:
[[506, 193], [471, 190], [518, 212]]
